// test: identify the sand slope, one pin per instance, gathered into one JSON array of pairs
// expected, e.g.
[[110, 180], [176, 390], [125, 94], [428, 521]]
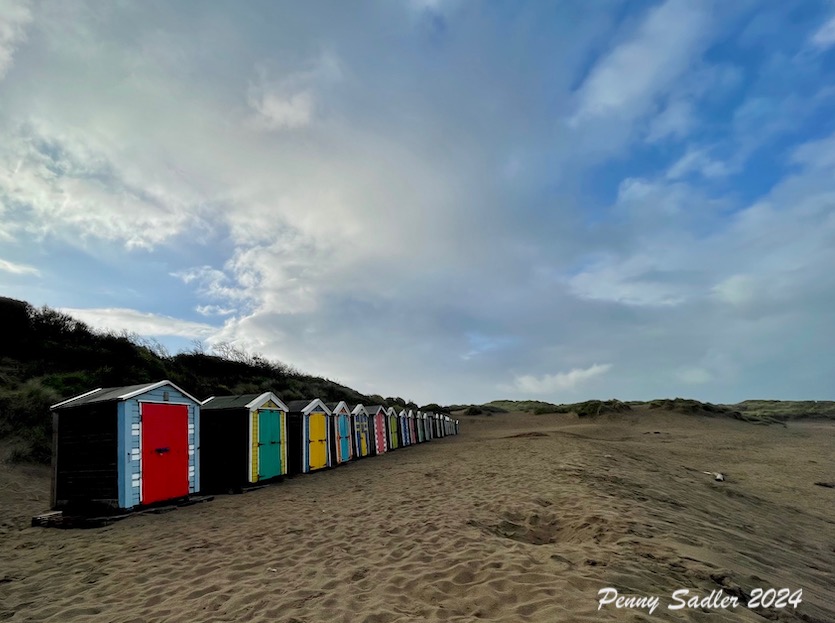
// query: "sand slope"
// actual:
[[520, 518]]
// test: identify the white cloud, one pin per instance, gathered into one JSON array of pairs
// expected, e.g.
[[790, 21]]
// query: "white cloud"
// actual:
[[142, 323], [674, 122], [824, 37], [290, 102], [214, 310], [627, 80], [694, 375], [819, 154], [69, 189], [561, 381], [737, 290], [697, 161], [18, 269], [15, 16], [279, 110], [629, 281]]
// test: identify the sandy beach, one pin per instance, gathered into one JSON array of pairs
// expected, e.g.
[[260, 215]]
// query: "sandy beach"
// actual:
[[520, 518]]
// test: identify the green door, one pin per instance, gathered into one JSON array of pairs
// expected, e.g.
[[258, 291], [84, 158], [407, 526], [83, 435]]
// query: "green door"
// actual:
[[269, 443]]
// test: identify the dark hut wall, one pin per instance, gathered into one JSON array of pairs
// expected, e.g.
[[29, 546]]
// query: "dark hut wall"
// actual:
[[87, 456], [224, 444]]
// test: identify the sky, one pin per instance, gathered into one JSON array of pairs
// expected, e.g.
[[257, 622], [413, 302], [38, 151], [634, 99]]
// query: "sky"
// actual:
[[446, 200]]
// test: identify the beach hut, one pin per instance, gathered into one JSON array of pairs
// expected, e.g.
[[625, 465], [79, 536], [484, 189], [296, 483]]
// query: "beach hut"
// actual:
[[403, 421], [125, 447], [341, 446], [362, 432], [419, 426], [377, 424], [392, 428], [427, 426], [308, 436], [413, 426], [243, 440]]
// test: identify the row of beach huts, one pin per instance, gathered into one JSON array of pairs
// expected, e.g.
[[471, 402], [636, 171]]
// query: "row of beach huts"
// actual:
[[125, 448]]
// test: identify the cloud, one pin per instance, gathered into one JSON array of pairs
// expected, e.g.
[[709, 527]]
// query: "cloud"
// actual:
[[18, 269], [625, 82], [737, 290], [694, 375], [142, 323], [290, 102], [561, 381], [698, 161], [278, 111], [70, 189], [214, 310], [674, 122], [824, 37], [15, 16]]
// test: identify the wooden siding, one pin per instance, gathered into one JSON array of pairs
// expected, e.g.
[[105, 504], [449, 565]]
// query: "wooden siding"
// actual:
[[87, 457]]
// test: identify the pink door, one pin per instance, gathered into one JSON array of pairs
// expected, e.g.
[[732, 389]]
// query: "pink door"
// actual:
[[380, 428]]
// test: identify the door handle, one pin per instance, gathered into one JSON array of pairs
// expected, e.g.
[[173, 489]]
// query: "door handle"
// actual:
[[162, 450]]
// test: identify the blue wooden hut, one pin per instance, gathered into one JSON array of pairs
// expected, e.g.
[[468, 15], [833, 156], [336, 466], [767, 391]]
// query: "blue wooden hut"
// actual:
[[403, 423], [341, 445], [125, 447]]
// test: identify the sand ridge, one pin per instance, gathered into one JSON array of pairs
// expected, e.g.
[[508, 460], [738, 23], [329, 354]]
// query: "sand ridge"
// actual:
[[497, 524]]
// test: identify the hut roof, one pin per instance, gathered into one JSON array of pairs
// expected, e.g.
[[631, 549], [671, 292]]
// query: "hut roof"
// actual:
[[306, 406], [116, 394], [361, 409], [247, 401], [334, 406], [374, 409]]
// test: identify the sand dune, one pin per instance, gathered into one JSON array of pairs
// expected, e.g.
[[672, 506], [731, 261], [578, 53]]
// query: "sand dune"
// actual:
[[496, 524]]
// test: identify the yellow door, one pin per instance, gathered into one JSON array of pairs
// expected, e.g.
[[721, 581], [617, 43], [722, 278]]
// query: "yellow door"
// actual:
[[318, 441], [363, 439]]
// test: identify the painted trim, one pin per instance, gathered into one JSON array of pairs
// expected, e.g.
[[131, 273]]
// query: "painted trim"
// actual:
[[154, 386], [260, 400], [122, 455], [312, 406], [74, 398]]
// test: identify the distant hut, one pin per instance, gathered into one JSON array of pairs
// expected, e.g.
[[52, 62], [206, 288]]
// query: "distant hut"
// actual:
[[377, 424], [403, 422], [439, 424], [243, 440], [309, 434], [427, 426], [125, 447], [341, 446], [362, 432], [419, 427], [393, 428]]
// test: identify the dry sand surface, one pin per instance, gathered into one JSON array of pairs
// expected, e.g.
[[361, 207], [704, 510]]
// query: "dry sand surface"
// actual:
[[520, 518]]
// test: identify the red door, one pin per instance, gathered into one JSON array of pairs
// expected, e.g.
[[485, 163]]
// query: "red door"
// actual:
[[164, 452]]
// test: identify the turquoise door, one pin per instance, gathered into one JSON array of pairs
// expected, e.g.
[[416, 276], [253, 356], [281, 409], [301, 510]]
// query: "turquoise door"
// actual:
[[269, 443], [344, 437]]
